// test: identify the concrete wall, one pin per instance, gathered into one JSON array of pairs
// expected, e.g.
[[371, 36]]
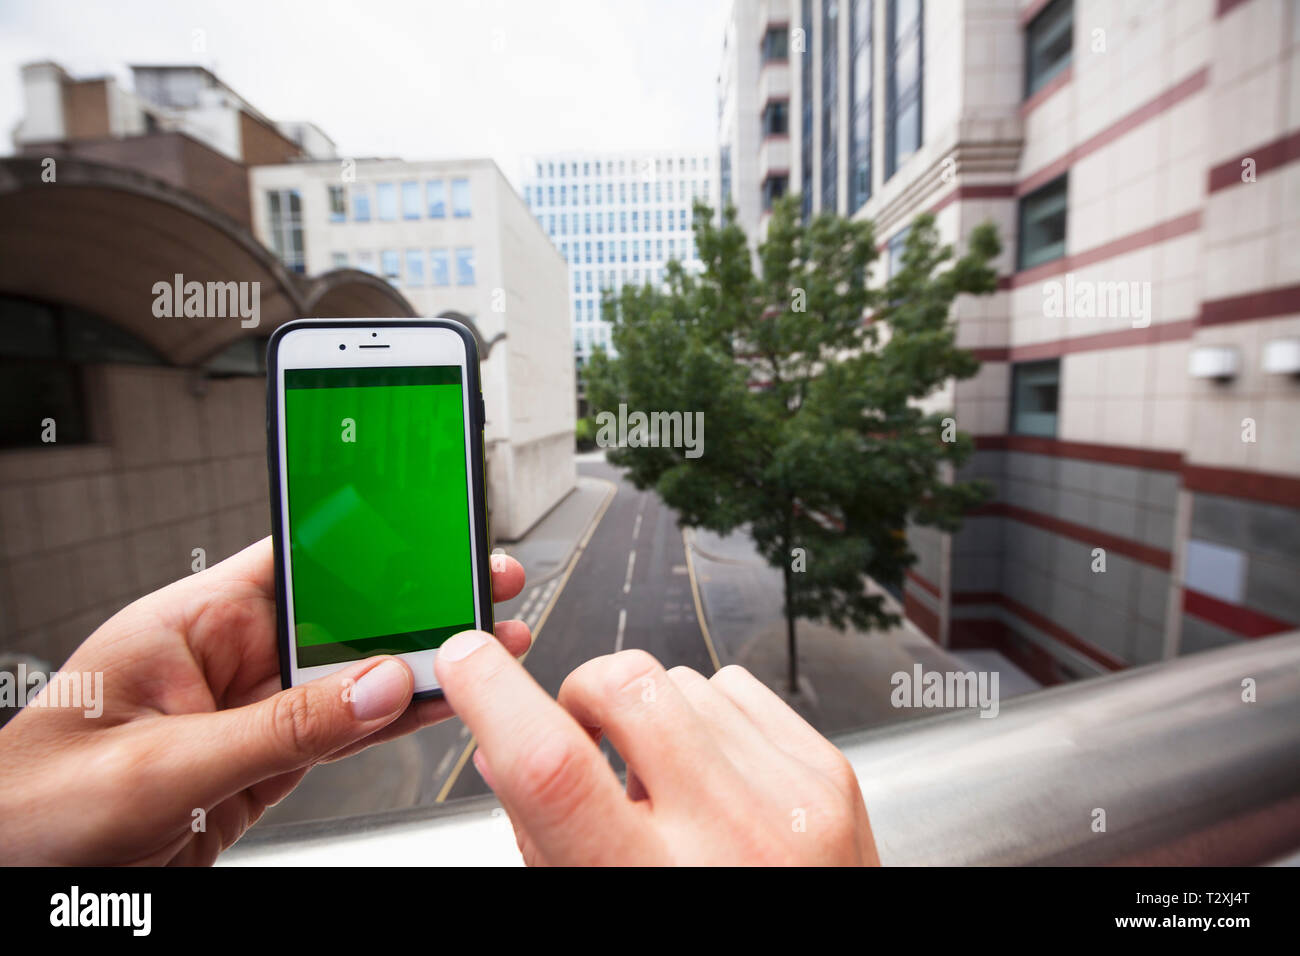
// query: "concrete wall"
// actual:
[[87, 529]]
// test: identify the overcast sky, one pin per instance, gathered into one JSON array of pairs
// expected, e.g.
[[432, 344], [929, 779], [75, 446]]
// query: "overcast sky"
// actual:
[[419, 80]]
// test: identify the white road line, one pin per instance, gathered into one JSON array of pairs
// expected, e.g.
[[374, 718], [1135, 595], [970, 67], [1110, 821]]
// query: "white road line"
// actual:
[[636, 528], [622, 623], [529, 601], [445, 762], [631, 563]]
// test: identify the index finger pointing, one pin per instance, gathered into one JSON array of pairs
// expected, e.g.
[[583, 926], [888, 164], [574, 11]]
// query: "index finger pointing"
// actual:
[[545, 767]]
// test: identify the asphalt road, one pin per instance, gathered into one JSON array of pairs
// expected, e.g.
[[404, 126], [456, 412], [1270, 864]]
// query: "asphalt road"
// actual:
[[629, 588]]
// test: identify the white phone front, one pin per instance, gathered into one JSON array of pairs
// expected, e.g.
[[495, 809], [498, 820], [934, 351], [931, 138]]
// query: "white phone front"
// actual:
[[375, 449]]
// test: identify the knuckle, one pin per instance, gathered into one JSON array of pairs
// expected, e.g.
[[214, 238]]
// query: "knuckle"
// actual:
[[843, 775], [296, 724], [681, 673], [732, 674], [630, 668], [552, 777]]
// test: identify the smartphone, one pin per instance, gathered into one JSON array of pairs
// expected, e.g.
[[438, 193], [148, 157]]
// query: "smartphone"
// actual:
[[378, 500]]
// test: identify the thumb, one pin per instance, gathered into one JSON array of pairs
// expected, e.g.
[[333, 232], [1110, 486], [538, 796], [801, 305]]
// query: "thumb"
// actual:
[[229, 750]]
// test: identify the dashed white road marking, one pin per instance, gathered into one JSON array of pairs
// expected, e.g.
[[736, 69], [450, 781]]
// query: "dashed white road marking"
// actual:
[[631, 563], [622, 624], [529, 601], [636, 528]]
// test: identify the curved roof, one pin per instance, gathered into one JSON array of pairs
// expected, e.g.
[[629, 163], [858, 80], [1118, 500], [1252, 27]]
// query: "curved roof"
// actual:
[[100, 237]]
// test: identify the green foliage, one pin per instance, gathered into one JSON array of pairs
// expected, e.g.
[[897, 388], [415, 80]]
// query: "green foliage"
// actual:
[[814, 436], [584, 433]]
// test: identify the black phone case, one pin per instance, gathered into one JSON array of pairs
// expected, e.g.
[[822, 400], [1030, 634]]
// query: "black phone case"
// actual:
[[474, 389]]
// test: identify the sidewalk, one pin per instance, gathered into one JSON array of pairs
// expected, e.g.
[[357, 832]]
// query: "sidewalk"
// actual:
[[546, 547], [844, 675]]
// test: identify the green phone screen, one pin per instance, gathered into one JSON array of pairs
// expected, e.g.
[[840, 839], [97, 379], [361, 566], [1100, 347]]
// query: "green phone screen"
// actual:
[[379, 530]]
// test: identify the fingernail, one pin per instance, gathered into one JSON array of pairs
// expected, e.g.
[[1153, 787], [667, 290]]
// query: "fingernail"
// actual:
[[381, 690], [498, 563], [462, 645]]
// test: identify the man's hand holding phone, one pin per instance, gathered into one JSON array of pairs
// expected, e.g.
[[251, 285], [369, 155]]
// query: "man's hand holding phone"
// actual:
[[195, 728], [720, 770]]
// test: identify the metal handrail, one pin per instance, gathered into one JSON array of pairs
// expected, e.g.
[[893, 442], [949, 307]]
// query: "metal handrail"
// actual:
[[1186, 771]]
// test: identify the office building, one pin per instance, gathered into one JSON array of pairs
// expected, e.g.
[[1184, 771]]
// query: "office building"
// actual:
[[1137, 406], [617, 219]]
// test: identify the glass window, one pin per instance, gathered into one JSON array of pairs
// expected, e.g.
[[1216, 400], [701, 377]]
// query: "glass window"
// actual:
[[860, 104], [776, 118], [386, 201], [286, 228], [903, 75], [411, 200], [339, 260], [391, 265], [460, 198], [774, 188], [414, 267], [464, 262], [39, 377], [1042, 224], [361, 203], [435, 193], [1035, 392], [776, 43], [439, 267], [894, 252], [1049, 42], [366, 261], [338, 204]]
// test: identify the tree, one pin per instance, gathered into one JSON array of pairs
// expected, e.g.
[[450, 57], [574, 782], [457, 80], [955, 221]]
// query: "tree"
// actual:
[[809, 382]]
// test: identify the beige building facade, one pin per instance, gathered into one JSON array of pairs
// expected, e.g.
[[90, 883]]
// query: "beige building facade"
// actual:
[[1138, 405]]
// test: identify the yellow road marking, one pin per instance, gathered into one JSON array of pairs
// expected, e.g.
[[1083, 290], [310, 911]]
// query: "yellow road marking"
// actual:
[[541, 622], [699, 607]]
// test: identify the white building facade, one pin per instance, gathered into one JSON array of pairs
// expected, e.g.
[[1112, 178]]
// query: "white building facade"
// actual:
[[755, 110], [456, 239], [617, 219]]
